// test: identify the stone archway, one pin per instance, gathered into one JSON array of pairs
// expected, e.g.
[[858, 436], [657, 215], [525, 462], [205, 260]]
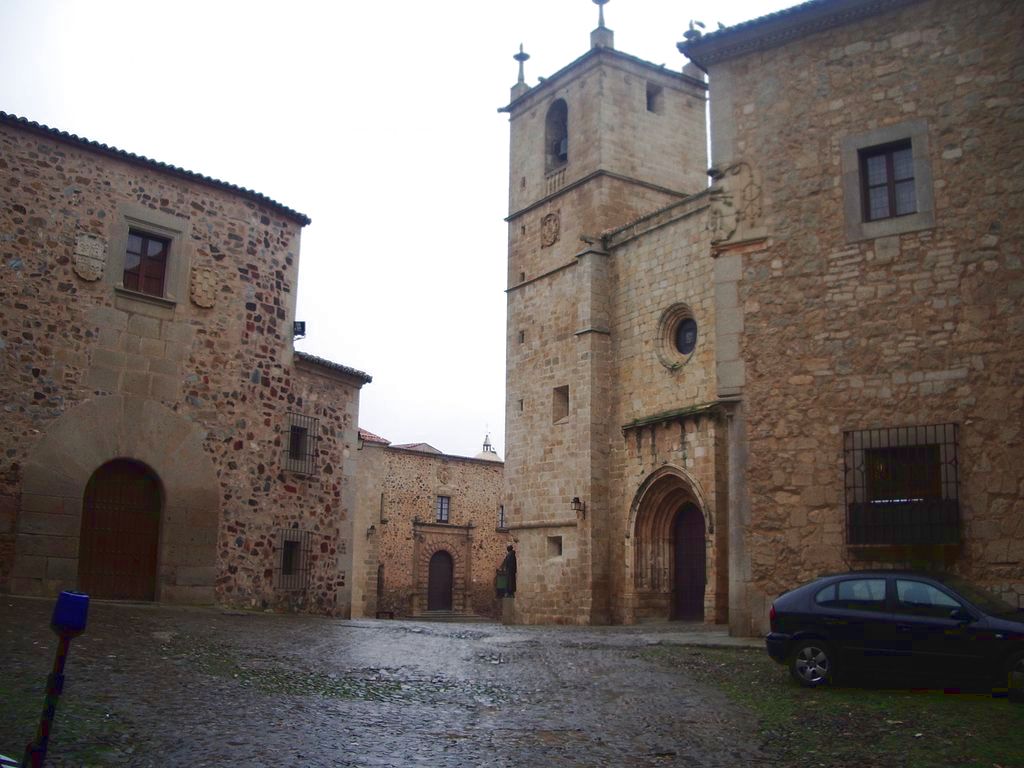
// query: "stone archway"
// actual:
[[667, 551], [57, 473]]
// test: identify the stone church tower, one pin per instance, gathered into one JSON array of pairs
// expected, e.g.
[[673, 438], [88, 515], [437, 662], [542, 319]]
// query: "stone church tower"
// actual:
[[593, 147]]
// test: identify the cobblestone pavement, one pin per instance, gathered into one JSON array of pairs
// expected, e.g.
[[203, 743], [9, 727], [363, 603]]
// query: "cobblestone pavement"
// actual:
[[158, 686]]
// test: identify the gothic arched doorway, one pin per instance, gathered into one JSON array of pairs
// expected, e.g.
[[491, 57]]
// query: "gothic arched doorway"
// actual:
[[439, 582], [689, 564], [117, 551], [669, 545]]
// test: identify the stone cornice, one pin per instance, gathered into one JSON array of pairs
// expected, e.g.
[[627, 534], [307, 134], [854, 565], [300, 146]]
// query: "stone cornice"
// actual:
[[780, 28], [589, 177], [590, 60], [680, 414]]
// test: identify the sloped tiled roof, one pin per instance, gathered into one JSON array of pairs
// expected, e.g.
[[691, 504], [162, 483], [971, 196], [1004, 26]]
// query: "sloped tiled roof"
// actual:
[[368, 437], [305, 356], [421, 447], [173, 170]]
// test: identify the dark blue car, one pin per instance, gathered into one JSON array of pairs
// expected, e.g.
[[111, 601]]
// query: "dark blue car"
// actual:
[[938, 629]]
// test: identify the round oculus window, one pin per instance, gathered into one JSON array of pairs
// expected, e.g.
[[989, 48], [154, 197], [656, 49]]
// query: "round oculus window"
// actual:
[[686, 335]]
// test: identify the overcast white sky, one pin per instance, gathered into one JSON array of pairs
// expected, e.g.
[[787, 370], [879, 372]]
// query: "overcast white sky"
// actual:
[[376, 119]]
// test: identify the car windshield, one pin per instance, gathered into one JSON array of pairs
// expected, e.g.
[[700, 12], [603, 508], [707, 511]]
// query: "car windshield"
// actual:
[[985, 600]]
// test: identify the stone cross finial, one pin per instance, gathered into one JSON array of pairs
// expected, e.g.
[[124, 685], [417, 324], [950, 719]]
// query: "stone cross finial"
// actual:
[[602, 37], [521, 58]]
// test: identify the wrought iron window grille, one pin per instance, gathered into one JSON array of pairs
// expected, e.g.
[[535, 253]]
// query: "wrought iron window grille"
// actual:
[[300, 444], [902, 485], [294, 552]]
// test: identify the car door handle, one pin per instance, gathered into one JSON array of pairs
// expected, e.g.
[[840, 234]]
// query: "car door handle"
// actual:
[[904, 628], [834, 621]]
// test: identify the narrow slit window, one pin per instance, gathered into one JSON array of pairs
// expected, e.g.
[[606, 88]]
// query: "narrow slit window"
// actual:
[[560, 404], [443, 508]]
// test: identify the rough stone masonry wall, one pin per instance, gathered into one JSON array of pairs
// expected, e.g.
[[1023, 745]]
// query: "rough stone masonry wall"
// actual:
[[659, 265], [218, 357], [410, 482], [919, 328]]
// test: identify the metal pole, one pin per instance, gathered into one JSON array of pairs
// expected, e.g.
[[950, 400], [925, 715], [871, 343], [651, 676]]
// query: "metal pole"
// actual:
[[35, 752], [69, 619]]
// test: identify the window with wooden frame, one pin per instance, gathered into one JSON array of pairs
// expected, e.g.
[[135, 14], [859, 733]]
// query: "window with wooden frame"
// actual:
[[443, 508], [145, 262], [887, 181], [300, 444], [149, 258]]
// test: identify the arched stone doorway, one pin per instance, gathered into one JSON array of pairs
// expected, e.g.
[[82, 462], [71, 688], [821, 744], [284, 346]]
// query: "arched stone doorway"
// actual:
[[61, 466], [669, 541], [440, 578], [120, 532]]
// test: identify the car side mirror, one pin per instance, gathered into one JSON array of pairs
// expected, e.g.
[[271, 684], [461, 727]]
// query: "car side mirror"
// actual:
[[961, 615]]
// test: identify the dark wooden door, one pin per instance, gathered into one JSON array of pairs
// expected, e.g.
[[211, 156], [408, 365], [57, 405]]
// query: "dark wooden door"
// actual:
[[439, 582], [688, 589], [120, 528]]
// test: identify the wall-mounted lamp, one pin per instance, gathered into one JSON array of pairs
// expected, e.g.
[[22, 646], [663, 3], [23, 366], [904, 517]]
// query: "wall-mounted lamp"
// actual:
[[371, 530], [578, 506]]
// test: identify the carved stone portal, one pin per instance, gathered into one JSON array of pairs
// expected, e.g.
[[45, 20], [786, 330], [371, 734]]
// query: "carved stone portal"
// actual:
[[204, 287], [550, 227], [90, 257], [736, 211]]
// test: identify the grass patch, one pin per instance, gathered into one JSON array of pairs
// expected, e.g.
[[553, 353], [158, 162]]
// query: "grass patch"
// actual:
[[838, 726], [83, 734]]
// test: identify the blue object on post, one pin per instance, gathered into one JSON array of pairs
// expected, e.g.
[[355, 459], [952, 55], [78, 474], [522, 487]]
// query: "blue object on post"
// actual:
[[70, 614], [69, 618]]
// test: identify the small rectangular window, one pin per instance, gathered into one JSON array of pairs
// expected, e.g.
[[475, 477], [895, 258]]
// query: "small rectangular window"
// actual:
[[554, 546], [443, 506], [294, 547], [300, 451], [145, 262], [501, 516], [887, 181], [560, 404], [522, 336], [655, 98]]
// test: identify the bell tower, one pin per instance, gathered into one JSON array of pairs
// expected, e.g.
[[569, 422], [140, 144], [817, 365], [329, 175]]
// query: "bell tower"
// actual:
[[604, 140]]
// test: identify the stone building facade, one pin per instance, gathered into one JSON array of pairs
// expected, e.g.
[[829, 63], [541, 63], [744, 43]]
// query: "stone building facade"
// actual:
[[161, 438], [430, 532], [714, 394]]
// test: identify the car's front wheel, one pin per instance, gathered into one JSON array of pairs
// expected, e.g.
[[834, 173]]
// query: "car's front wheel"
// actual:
[[1013, 674], [811, 663]]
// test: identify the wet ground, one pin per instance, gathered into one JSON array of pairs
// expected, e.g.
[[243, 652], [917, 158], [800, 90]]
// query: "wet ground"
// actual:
[[156, 686]]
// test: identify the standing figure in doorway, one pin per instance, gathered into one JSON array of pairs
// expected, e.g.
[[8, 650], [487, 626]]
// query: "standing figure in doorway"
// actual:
[[509, 566]]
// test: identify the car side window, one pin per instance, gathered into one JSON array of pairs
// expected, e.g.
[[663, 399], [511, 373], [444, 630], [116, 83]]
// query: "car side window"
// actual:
[[922, 599], [855, 594]]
